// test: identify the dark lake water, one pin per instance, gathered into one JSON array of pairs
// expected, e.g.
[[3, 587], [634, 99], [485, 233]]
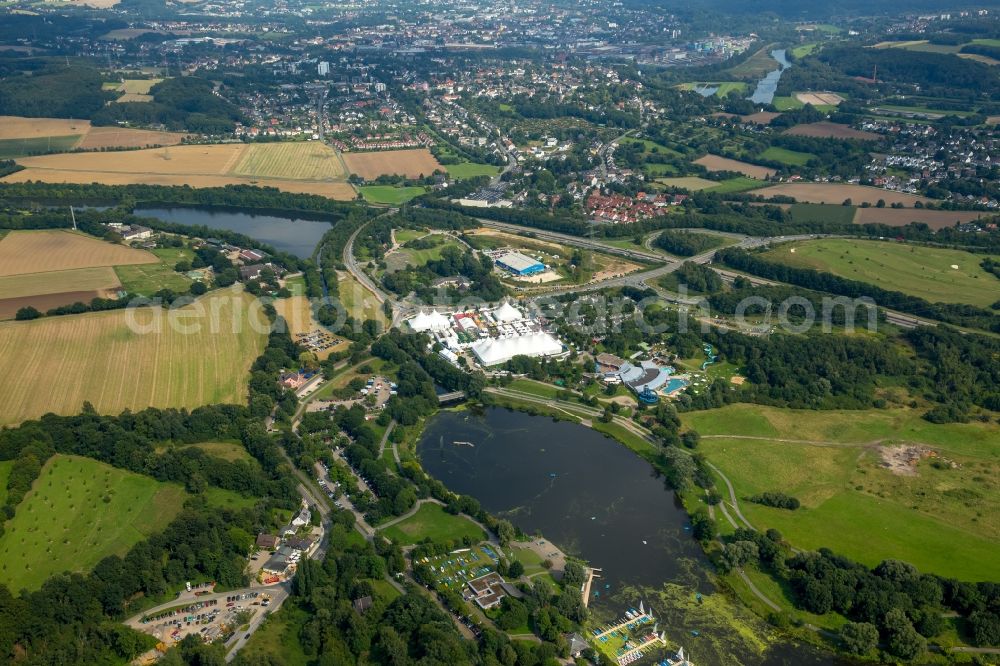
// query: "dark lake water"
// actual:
[[597, 500], [287, 234], [766, 87]]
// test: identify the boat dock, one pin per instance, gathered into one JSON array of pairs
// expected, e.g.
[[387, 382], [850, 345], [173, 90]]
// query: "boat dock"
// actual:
[[633, 618], [585, 590], [652, 639]]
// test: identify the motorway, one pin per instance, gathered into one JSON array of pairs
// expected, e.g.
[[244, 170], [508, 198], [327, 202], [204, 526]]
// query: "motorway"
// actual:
[[641, 279]]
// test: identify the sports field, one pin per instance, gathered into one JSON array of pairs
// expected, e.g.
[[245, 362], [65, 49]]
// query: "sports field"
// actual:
[[835, 193], [23, 252], [471, 170], [939, 517], [131, 359], [411, 163], [934, 274], [299, 167], [432, 522], [78, 512]]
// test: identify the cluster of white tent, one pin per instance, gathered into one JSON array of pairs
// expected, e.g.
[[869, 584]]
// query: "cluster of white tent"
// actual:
[[433, 321], [493, 351]]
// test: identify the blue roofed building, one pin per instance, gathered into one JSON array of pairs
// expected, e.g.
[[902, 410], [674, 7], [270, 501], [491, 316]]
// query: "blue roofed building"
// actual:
[[519, 264]]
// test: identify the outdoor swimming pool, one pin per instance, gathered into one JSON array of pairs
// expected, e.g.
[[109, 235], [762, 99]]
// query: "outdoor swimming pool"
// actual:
[[675, 384]]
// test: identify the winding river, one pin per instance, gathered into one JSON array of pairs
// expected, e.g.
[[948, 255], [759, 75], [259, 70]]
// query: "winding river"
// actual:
[[597, 500], [767, 86]]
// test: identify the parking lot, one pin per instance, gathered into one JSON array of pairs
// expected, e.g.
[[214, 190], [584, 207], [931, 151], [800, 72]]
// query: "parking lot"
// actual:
[[213, 618]]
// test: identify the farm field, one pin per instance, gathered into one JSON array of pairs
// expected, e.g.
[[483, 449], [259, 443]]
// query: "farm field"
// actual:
[[761, 117], [288, 167], [911, 269], [124, 137], [896, 217], [42, 135], [431, 521], [54, 282], [830, 130], [389, 194], [785, 156], [717, 163], [835, 193], [11, 148], [17, 127], [690, 183], [939, 518], [471, 170], [78, 512], [40, 251], [300, 160], [195, 166], [44, 291], [410, 163], [98, 357], [986, 60], [806, 212]]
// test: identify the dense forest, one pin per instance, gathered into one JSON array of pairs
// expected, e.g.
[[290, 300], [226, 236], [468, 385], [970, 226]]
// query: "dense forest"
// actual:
[[184, 103]]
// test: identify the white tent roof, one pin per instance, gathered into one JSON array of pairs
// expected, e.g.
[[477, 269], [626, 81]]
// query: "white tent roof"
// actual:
[[429, 322], [507, 312], [500, 350]]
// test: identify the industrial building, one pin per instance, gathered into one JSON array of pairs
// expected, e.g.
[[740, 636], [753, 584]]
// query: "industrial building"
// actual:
[[519, 264]]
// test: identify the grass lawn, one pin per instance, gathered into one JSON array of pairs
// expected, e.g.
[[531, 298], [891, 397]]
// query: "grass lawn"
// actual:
[[406, 235], [227, 499], [471, 170], [738, 184], [535, 388], [911, 269], [654, 170], [147, 279], [756, 66], [77, 512], [358, 301], [389, 194], [5, 467], [940, 520], [803, 50], [788, 103], [226, 450], [431, 521], [278, 638], [690, 183], [785, 156]]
